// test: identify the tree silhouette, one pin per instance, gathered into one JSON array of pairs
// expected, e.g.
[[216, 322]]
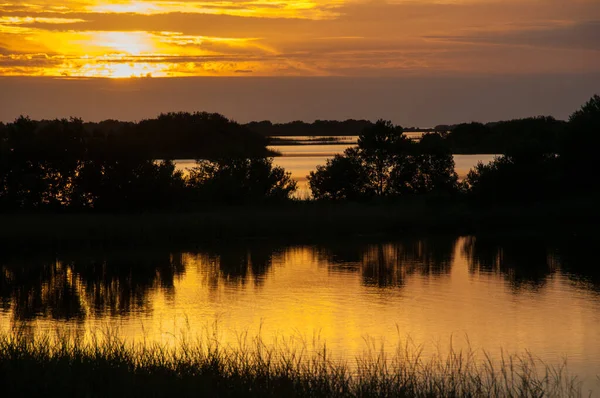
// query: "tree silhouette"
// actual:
[[343, 177], [539, 166], [240, 180], [113, 166], [386, 164], [579, 148]]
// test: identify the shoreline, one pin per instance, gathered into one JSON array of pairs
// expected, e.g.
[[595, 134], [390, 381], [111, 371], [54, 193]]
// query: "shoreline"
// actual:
[[303, 220]]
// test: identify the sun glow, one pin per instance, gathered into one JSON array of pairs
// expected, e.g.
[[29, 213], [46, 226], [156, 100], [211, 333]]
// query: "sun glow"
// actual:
[[137, 7], [131, 43], [124, 54], [122, 38], [305, 9], [123, 70]]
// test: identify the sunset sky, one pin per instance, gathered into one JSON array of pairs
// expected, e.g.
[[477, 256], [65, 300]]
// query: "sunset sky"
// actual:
[[419, 39]]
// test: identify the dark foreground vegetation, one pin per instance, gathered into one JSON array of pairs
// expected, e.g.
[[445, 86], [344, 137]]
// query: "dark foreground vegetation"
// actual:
[[298, 220], [386, 183], [107, 366]]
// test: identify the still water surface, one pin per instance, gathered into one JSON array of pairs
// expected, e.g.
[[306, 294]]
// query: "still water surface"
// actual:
[[515, 295]]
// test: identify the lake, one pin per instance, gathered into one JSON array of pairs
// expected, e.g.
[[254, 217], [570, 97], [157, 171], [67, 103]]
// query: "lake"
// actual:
[[500, 293], [301, 159]]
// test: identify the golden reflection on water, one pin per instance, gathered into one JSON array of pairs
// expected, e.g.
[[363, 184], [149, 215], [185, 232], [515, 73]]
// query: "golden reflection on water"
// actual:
[[344, 293]]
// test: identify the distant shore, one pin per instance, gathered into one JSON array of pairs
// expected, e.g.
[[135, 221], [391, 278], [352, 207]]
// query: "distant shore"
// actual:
[[298, 220]]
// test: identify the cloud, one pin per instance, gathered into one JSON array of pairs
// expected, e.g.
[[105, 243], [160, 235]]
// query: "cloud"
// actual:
[[578, 35], [360, 38], [309, 9]]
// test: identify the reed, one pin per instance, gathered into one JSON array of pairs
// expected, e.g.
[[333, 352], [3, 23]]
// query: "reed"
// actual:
[[105, 365]]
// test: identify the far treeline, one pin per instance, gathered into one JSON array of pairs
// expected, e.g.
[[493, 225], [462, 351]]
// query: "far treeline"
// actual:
[[59, 165], [205, 135]]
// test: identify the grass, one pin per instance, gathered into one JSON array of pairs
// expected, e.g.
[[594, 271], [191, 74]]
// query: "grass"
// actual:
[[108, 366], [296, 220]]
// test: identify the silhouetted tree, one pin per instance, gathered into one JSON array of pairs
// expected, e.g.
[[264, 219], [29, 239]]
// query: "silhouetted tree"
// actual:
[[535, 167], [386, 164], [515, 179], [432, 168], [579, 148], [343, 177], [60, 164], [318, 128], [504, 137], [240, 180], [128, 184]]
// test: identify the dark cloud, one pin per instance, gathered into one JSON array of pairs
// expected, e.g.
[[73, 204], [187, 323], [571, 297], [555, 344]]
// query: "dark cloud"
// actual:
[[582, 35]]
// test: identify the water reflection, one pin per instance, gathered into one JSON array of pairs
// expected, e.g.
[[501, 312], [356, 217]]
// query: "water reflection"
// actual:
[[39, 287], [525, 264], [74, 286], [515, 294], [578, 259], [390, 264], [235, 264]]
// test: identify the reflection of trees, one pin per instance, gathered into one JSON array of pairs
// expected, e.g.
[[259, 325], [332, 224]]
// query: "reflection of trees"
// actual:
[[70, 287], [523, 263], [578, 259], [237, 264], [120, 283], [41, 287], [389, 264], [75, 285]]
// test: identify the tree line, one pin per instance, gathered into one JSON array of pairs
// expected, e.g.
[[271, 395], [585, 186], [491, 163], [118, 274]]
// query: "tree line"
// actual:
[[66, 164], [547, 160], [465, 138], [69, 164]]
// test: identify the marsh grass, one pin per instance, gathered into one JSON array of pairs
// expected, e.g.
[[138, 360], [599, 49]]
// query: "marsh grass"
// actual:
[[105, 365]]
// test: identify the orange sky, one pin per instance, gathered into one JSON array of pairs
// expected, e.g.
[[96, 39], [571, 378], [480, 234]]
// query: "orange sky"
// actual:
[[124, 38]]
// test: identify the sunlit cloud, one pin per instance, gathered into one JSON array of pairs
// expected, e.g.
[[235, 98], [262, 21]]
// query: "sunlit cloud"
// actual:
[[309, 9], [162, 38], [31, 20], [265, 9]]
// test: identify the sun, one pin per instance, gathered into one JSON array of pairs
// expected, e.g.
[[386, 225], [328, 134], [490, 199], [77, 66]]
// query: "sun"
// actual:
[[137, 7], [130, 43]]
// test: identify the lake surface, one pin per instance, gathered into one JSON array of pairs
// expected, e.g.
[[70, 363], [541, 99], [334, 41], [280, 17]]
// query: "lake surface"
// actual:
[[301, 159], [505, 294]]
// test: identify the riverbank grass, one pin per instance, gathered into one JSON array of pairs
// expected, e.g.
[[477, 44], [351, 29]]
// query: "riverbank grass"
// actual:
[[108, 366]]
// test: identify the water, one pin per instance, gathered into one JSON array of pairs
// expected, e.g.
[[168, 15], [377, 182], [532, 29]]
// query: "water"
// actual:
[[503, 294], [301, 159]]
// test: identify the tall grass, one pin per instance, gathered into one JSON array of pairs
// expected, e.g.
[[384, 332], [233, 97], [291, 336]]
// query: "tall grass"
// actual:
[[108, 366]]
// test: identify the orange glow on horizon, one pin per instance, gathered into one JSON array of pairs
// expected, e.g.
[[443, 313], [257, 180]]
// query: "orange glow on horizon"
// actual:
[[101, 38]]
